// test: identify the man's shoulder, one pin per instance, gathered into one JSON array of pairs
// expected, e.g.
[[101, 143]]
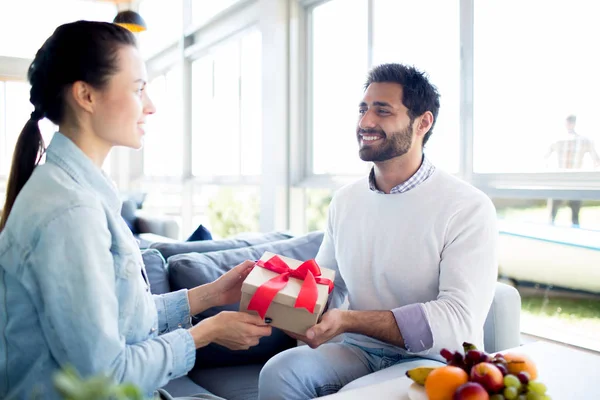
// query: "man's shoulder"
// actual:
[[452, 188]]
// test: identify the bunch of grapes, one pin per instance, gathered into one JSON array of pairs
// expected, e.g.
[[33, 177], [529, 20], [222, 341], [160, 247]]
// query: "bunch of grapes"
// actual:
[[517, 386], [521, 387]]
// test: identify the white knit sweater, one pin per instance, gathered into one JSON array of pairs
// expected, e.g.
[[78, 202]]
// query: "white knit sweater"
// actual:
[[431, 250]]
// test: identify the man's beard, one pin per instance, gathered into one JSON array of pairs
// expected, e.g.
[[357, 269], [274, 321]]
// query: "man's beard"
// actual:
[[393, 145]]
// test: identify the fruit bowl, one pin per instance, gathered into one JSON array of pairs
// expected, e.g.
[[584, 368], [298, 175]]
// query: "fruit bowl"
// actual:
[[476, 375]]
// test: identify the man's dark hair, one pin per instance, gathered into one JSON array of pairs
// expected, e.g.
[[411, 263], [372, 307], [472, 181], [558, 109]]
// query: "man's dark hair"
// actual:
[[418, 94], [571, 119]]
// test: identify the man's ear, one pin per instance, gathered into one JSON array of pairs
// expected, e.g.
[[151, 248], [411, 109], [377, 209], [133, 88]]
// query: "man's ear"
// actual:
[[84, 96], [423, 123]]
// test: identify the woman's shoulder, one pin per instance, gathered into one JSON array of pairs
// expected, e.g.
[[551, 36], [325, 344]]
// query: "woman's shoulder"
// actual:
[[47, 196]]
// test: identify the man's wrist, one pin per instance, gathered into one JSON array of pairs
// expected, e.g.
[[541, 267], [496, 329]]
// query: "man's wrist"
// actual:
[[346, 320]]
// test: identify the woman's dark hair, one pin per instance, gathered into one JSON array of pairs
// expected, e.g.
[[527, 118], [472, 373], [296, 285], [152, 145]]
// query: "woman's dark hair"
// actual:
[[79, 51]]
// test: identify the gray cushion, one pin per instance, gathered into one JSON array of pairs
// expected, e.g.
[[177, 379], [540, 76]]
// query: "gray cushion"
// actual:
[[205, 246], [156, 270], [190, 270], [231, 383], [184, 387]]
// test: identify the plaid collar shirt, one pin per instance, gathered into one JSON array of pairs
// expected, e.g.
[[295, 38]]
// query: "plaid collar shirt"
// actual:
[[424, 172]]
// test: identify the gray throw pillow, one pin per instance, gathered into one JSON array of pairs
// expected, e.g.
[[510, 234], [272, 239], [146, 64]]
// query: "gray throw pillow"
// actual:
[[190, 270], [156, 270], [205, 246]]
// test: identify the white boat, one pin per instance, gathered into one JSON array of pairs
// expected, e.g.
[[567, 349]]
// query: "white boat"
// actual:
[[550, 255]]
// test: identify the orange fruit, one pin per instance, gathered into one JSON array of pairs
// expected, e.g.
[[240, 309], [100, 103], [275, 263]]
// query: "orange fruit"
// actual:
[[520, 362], [441, 383]]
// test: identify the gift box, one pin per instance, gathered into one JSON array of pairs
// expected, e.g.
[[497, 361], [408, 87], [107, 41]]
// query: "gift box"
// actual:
[[292, 293]]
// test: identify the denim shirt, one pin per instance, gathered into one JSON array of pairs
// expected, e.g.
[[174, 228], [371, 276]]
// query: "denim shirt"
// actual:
[[73, 288]]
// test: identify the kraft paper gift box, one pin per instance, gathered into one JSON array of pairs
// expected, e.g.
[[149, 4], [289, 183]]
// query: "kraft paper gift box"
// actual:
[[280, 288]]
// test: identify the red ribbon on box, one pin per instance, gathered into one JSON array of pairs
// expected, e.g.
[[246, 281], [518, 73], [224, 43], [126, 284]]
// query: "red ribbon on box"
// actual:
[[308, 271]]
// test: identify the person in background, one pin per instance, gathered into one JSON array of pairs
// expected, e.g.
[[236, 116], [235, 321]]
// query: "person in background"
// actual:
[[73, 288], [570, 151]]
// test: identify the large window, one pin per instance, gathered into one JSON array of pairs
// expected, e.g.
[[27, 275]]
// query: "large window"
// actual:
[[339, 67], [226, 211], [530, 74], [226, 116], [204, 10], [163, 142], [26, 24], [340, 62], [165, 25], [432, 47]]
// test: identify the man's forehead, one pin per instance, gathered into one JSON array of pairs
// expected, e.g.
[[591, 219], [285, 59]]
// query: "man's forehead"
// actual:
[[383, 92]]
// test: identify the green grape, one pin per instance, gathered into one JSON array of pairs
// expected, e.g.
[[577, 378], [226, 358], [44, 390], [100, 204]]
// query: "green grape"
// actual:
[[534, 396], [496, 397], [522, 397], [511, 393], [537, 387], [512, 381]]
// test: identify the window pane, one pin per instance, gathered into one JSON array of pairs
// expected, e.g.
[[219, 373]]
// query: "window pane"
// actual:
[[165, 25], [251, 104], [203, 10], [161, 199], [554, 266], [339, 67], [28, 23], [436, 52], [216, 119], [164, 131], [317, 207], [528, 81], [227, 210], [226, 103], [202, 99]]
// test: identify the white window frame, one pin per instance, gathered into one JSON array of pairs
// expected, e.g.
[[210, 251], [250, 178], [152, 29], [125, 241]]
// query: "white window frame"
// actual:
[[558, 185]]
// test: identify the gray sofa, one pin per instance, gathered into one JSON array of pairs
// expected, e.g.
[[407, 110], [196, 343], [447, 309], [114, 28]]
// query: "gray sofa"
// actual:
[[234, 375]]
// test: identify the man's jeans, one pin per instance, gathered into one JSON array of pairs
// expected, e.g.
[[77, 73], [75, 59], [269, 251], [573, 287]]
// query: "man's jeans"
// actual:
[[303, 373]]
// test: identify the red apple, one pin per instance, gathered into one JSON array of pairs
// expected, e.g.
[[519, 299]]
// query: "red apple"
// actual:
[[488, 376], [471, 391]]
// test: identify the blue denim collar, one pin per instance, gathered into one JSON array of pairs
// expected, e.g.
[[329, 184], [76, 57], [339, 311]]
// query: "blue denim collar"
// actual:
[[67, 156]]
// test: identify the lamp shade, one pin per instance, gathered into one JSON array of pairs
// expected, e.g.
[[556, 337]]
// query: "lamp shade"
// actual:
[[130, 20]]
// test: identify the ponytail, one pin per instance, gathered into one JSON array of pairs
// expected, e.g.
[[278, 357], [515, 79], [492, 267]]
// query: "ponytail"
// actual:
[[28, 153]]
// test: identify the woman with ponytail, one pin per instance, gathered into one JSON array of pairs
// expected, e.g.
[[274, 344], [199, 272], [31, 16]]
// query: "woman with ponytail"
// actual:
[[73, 290]]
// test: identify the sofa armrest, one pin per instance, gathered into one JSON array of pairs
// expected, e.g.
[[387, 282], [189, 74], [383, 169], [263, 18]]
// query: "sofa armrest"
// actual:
[[502, 329], [161, 225]]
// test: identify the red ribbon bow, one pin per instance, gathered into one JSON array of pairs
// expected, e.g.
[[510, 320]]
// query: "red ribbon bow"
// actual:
[[308, 271]]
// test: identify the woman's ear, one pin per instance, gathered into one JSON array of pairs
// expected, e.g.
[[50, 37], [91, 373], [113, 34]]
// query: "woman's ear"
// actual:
[[84, 96]]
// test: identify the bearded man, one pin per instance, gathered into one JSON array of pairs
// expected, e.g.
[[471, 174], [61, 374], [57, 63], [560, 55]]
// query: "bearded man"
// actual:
[[413, 247]]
